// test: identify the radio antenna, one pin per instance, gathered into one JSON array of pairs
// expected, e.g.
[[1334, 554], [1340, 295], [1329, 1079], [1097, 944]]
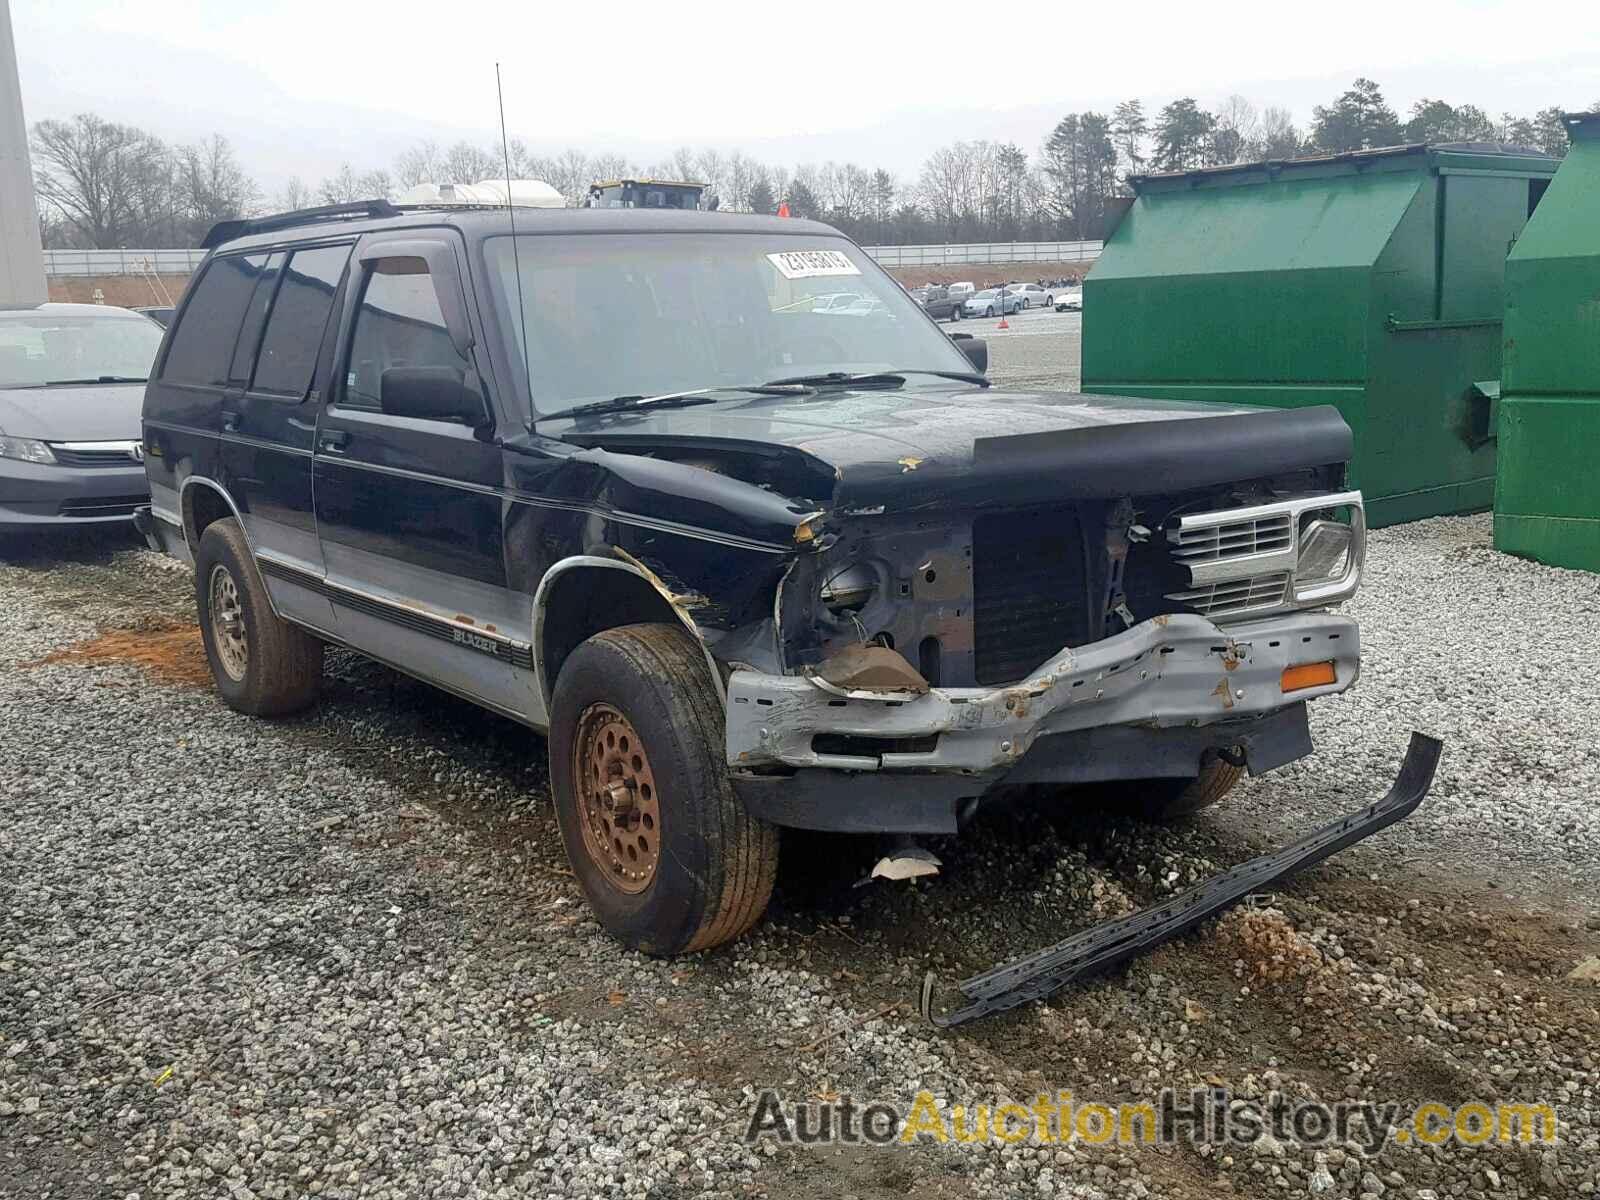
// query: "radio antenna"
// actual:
[[516, 254]]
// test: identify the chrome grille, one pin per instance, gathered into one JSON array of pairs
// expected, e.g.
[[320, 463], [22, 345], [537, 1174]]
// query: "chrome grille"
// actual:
[[1267, 534], [96, 454], [1246, 560], [1236, 595]]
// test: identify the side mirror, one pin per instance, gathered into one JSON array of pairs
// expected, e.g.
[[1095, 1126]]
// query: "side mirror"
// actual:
[[975, 348], [430, 394]]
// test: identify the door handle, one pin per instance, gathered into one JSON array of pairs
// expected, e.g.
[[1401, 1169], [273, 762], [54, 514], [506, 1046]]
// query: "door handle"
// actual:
[[333, 440]]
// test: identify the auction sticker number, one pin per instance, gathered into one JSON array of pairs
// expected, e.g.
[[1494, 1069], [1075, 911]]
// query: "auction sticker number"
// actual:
[[805, 264]]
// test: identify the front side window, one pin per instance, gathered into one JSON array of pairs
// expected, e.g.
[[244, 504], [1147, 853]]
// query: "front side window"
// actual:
[[399, 324], [299, 317], [643, 314], [40, 348], [203, 344]]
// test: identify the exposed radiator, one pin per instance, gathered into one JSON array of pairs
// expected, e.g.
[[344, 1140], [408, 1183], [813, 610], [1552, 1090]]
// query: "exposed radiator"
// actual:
[[1030, 595]]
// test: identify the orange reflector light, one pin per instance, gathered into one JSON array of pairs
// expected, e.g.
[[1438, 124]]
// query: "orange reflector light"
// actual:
[[1307, 675]]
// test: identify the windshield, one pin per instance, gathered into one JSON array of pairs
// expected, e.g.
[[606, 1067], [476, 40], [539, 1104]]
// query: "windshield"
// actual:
[[646, 314], [40, 347]]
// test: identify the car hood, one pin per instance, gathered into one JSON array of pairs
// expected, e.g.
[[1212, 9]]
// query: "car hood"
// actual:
[[909, 448], [97, 412]]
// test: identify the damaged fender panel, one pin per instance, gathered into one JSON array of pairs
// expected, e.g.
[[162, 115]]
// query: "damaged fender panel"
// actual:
[[1178, 670]]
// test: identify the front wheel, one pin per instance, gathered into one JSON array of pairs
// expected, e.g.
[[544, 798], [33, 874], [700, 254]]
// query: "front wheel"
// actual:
[[988, 312], [1049, 301], [664, 850], [1167, 799], [955, 314], [1026, 303]]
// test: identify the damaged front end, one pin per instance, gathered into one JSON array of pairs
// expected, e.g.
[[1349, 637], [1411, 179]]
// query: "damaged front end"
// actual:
[[1101, 594], [1103, 639]]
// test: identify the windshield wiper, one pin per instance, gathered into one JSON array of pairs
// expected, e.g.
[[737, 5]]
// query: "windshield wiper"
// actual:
[[893, 378], [96, 379], [706, 395]]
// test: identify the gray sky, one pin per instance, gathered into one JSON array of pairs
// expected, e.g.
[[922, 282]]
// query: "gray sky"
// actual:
[[302, 87]]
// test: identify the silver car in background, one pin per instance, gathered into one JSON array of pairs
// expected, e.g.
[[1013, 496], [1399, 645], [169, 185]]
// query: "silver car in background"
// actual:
[[71, 385]]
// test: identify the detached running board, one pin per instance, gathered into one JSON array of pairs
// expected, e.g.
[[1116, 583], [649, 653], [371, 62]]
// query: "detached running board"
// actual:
[[1092, 950]]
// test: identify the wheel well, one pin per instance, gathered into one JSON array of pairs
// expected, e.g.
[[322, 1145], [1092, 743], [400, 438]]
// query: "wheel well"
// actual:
[[202, 504], [584, 601]]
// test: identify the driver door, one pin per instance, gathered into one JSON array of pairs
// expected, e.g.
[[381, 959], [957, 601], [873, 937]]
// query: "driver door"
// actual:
[[409, 507]]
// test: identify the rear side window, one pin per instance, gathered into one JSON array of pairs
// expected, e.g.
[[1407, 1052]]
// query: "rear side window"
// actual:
[[399, 324], [202, 345], [299, 316]]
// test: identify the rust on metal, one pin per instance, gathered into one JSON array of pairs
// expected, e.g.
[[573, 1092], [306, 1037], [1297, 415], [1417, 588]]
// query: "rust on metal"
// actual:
[[620, 809]]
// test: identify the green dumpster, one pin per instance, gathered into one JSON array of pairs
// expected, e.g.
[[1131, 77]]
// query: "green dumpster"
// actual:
[[1547, 492], [1372, 281]]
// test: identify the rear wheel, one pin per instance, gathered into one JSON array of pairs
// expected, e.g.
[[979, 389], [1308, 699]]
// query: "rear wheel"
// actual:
[[668, 858], [262, 665], [1167, 799]]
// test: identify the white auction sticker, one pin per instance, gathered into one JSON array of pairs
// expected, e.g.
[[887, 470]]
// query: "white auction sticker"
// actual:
[[804, 264]]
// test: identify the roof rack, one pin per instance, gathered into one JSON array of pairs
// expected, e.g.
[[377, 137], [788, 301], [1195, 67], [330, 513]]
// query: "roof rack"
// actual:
[[226, 231]]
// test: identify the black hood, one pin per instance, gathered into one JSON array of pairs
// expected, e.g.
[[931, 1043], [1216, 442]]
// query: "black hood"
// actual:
[[910, 448], [96, 412]]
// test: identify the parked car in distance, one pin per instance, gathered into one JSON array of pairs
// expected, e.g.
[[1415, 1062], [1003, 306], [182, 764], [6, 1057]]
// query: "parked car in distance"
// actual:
[[938, 303], [835, 302], [1033, 296], [161, 314], [71, 382], [962, 289], [992, 302], [770, 566], [1071, 301]]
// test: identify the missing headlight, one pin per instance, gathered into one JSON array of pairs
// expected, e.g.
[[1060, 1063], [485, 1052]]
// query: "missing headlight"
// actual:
[[849, 588]]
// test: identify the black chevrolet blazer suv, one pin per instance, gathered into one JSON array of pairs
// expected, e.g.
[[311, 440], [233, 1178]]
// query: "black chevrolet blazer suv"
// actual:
[[747, 556]]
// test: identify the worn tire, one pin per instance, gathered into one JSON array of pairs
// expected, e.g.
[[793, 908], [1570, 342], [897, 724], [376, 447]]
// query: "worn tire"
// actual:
[[1168, 799], [717, 864], [282, 672]]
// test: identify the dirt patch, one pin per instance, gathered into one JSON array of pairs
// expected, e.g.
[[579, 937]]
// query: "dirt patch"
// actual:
[[129, 291], [169, 653]]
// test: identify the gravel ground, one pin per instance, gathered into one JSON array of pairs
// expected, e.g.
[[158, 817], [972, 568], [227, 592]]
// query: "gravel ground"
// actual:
[[339, 955], [1039, 349]]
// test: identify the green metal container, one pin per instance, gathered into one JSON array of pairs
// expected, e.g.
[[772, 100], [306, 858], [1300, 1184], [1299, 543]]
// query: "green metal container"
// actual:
[[1547, 491], [1372, 281]]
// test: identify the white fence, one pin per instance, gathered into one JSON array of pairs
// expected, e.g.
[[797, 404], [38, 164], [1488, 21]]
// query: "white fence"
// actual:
[[181, 262], [985, 252], [121, 262]]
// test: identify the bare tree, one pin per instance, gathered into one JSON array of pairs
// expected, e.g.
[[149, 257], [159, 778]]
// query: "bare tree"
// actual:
[[420, 164], [88, 170], [376, 185], [1277, 136], [466, 163], [214, 186], [1236, 134], [295, 195], [341, 188]]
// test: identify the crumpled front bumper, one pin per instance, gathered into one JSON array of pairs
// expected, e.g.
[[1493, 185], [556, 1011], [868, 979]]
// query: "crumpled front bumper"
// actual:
[[1170, 672]]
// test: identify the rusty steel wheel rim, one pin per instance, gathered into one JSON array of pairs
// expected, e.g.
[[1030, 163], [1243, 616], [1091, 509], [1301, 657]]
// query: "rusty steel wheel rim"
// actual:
[[618, 805], [227, 623]]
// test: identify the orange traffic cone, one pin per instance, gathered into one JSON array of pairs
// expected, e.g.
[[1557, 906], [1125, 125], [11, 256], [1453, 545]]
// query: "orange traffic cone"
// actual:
[[1004, 324], [783, 209]]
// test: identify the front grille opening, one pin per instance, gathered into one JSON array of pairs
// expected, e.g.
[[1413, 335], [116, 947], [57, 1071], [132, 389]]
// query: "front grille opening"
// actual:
[[1030, 591], [92, 457], [857, 746], [102, 506]]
